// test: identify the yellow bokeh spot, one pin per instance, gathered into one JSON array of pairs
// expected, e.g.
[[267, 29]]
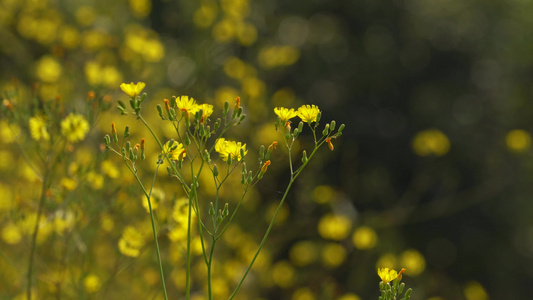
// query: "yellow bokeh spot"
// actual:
[[70, 37], [92, 283], [349, 296], [431, 142], [224, 31], [253, 87], [235, 68], [303, 294], [131, 242], [333, 255], [246, 34], [518, 140], [93, 40], [334, 227], [323, 194], [11, 234], [85, 15], [365, 238], [225, 93], [413, 262], [68, 183], [387, 260], [475, 291], [283, 97], [8, 132], [205, 15], [48, 69], [109, 169], [271, 57], [140, 8], [303, 253], [283, 274]]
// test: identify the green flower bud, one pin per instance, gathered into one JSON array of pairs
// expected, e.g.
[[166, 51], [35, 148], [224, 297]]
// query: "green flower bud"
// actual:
[[215, 170], [300, 126], [304, 157], [262, 152], [326, 130], [341, 128], [332, 125], [225, 212], [211, 209], [226, 108], [126, 131], [121, 104]]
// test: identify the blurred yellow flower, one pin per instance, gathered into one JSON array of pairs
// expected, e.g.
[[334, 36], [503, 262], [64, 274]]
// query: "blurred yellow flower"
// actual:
[[109, 169], [303, 253], [349, 296], [68, 183], [431, 142], [283, 274], [518, 140], [271, 57], [131, 242], [475, 291], [323, 194], [308, 113], [74, 127], [230, 149], [413, 261], [48, 69], [38, 129], [92, 283], [334, 227], [246, 34], [174, 150], [333, 255], [131, 89], [95, 180], [11, 234], [140, 8], [158, 196], [205, 15], [387, 275], [285, 114], [364, 238], [303, 294]]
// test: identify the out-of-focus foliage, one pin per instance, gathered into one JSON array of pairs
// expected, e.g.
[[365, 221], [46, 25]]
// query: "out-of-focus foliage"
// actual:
[[433, 173]]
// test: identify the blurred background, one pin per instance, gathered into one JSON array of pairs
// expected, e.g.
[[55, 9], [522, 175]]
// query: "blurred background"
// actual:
[[433, 172]]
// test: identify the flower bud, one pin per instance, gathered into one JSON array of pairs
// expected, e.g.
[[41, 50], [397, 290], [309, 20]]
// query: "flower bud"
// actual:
[[262, 152], [225, 212], [211, 208], [107, 140], [304, 157], [143, 156], [114, 133], [326, 130], [126, 131], [332, 125], [215, 170]]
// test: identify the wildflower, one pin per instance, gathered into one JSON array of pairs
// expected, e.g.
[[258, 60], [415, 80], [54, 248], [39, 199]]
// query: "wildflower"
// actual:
[[92, 283], [237, 103], [285, 114], [131, 89], [38, 129], [74, 127], [230, 149], [167, 105], [174, 150], [265, 166], [308, 113], [186, 104], [207, 110], [387, 275]]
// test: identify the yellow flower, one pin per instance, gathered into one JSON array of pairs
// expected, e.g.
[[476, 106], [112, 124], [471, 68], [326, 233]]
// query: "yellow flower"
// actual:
[[131, 89], [431, 142], [207, 110], [387, 275], [74, 127], [174, 151], [184, 103], [285, 114], [38, 129], [92, 283], [230, 148], [131, 242], [308, 113], [518, 140]]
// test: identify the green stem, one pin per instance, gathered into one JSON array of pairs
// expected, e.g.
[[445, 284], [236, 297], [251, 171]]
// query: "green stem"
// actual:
[[34, 235]]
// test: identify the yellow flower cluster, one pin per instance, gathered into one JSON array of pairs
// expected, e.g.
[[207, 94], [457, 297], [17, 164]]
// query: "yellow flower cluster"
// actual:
[[230, 149], [308, 113], [189, 105]]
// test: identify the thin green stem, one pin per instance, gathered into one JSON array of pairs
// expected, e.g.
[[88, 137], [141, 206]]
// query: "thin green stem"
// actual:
[[34, 235]]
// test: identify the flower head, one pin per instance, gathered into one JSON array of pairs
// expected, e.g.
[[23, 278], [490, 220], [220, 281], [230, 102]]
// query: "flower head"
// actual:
[[74, 127], [174, 150], [207, 110], [387, 275], [38, 129], [230, 148], [131, 89], [285, 114], [184, 103], [308, 113]]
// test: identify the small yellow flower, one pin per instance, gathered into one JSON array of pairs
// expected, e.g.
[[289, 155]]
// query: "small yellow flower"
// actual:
[[184, 103], [207, 110], [285, 114], [131, 89], [308, 113], [230, 148], [38, 129], [131, 242], [74, 128], [176, 151], [387, 275], [92, 283]]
